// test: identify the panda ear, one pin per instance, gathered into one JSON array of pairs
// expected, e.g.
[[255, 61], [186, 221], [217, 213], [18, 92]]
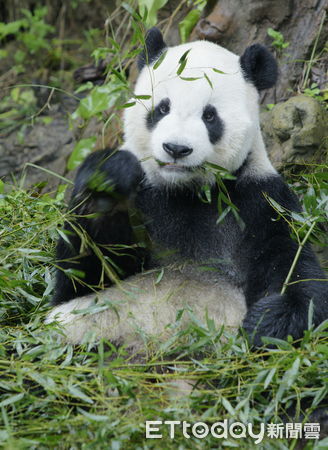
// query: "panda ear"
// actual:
[[154, 46], [259, 66]]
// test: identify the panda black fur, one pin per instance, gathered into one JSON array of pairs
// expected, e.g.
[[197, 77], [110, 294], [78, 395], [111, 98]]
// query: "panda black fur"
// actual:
[[234, 275]]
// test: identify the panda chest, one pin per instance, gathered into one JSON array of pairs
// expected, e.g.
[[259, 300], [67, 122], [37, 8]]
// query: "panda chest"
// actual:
[[182, 227]]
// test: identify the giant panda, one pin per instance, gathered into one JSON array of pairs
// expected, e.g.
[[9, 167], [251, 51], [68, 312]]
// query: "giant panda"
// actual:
[[142, 208]]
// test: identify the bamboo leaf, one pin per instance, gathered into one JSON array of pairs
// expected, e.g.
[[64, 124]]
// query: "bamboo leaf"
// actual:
[[188, 23], [160, 60], [12, 399], [81, 150], [76, 392]]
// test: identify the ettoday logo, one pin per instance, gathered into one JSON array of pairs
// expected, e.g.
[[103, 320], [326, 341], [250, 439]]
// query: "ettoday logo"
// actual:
[[200, 430], [236, 430]]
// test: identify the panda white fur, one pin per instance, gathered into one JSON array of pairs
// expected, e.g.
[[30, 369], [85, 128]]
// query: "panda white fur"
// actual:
[[143, 208]]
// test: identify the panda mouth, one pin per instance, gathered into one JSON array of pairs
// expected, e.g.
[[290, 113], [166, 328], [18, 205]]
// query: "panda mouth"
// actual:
[[174, 166]]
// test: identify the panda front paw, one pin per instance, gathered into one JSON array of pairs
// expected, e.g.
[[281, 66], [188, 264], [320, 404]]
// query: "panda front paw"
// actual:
[[119, 173], [106, 179], [110, 173], [274, 316]]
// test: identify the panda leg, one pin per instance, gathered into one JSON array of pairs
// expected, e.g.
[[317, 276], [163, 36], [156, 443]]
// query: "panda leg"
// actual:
[[279, 315], [270, 252], [143, 307]]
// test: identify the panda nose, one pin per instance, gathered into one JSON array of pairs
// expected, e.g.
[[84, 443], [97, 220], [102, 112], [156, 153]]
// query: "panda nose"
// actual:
[[177, 151]]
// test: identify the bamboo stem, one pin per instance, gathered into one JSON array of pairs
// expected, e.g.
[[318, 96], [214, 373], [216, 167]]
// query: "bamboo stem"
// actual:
[[292, 267]]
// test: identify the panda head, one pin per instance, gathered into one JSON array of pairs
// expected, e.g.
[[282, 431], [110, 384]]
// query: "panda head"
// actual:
[[197, 103]]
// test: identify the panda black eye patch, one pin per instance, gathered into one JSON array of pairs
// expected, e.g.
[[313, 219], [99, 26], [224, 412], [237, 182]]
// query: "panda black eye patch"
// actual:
[[213, 123], [155, 115]]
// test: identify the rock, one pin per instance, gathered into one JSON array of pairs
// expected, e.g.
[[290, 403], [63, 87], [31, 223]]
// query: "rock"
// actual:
[[236, 24], [44, 144], [295, 131]]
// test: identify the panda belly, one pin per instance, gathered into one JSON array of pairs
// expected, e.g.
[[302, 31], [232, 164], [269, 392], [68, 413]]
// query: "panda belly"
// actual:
[[143, 306]]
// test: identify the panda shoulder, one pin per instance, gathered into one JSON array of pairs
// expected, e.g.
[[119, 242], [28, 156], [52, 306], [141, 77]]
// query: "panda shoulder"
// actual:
[[270, 191]]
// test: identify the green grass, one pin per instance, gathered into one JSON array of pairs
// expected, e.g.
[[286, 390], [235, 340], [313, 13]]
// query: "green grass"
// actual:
[[54, 395]]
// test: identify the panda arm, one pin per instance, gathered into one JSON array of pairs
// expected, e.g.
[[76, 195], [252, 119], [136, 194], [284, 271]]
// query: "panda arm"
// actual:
[[271, 252], [100, 221]]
